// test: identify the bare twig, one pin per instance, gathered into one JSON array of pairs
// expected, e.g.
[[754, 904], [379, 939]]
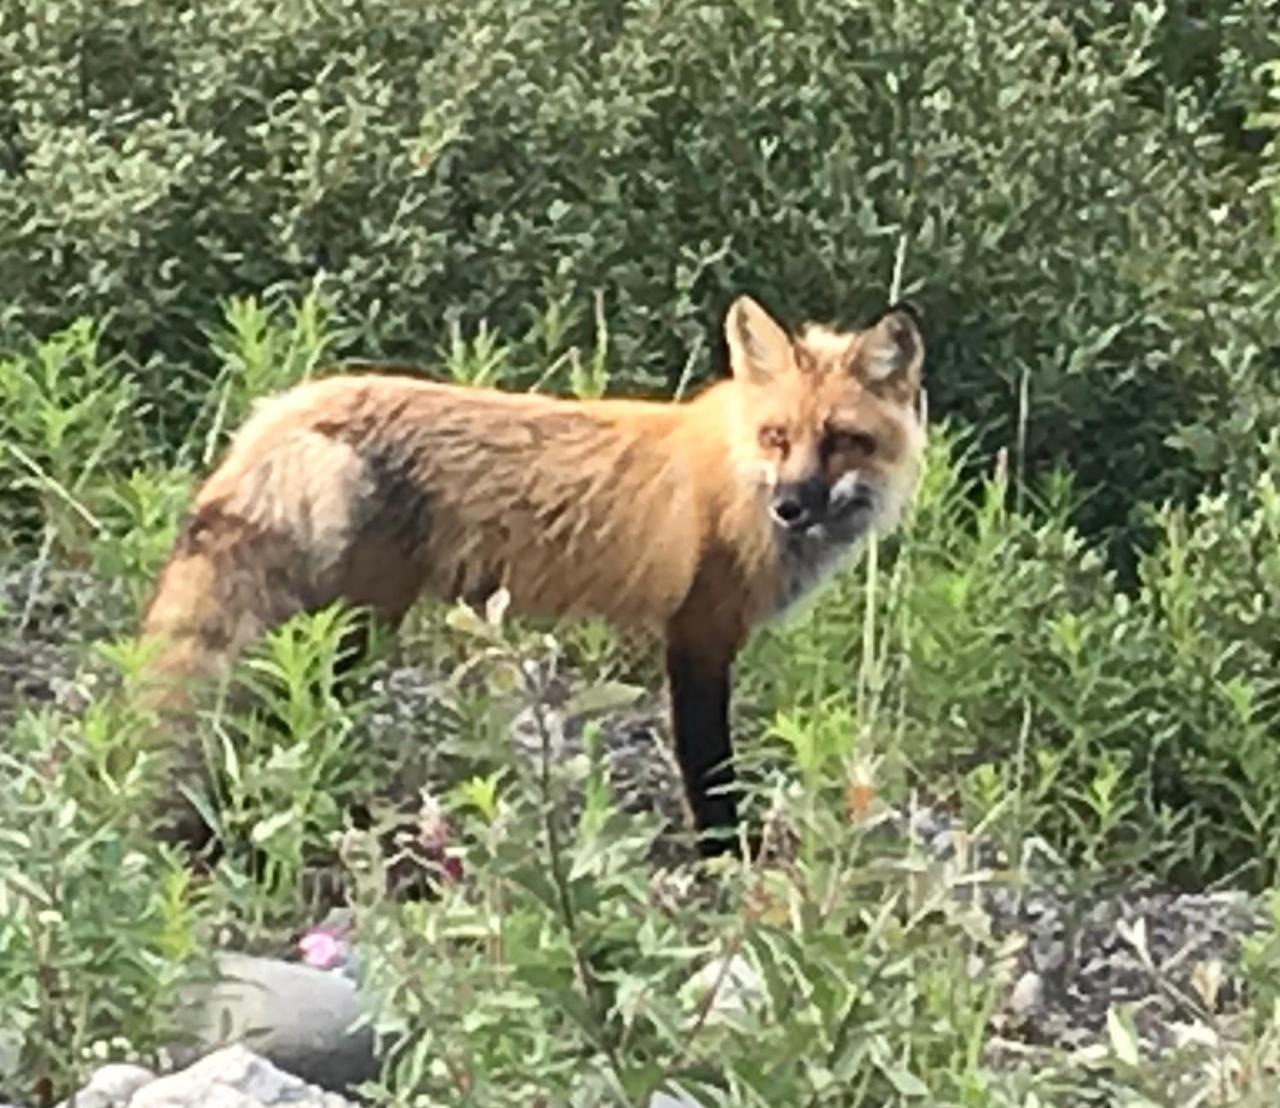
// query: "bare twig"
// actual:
[[687, 372], [705, 1008]]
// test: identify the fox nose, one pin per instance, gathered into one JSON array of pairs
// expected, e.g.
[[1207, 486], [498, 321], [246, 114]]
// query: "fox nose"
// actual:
[[799, 506], [790, 513]]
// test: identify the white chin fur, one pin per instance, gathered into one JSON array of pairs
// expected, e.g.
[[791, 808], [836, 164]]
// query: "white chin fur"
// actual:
[[808, 565]]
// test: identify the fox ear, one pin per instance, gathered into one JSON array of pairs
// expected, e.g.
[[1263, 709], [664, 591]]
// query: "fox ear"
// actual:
[[759, 349], [891, 349]]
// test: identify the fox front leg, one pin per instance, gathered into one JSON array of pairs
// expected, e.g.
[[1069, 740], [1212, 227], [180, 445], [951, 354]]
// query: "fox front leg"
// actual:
[[700, 690]]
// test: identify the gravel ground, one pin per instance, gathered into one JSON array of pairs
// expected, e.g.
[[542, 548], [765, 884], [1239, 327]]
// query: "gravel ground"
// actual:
[[1073, 952], [44, 613]]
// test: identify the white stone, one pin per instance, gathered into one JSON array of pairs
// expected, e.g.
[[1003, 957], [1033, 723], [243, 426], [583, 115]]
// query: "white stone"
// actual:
[[233, 1077]]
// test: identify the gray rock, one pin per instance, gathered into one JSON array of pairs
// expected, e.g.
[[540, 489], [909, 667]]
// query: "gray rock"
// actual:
[[1028, 995], [680, 1100], [111, 1086], [233, 1077], [298, 1018]]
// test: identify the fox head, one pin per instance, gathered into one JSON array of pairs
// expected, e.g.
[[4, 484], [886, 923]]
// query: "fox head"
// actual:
[[828, 428]]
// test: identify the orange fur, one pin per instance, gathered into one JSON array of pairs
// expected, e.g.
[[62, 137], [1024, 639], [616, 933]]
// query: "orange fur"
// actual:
[[661, 517]]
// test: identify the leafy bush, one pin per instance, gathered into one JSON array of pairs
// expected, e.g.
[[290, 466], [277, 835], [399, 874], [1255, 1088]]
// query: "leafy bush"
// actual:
[[557, 966], [1072, 644], [1075, 222], [66, 417], [97, 924], [1134, 732]]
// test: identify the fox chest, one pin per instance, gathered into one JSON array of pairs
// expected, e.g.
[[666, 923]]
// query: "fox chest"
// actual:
[[807, 562]]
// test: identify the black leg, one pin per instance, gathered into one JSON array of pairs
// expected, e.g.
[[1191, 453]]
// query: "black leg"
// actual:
[[700, 720]]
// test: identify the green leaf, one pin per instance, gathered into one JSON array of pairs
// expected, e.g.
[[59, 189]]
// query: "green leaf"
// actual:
[[904, 1081], [1123, 1036], [266, 829], [607, 697]]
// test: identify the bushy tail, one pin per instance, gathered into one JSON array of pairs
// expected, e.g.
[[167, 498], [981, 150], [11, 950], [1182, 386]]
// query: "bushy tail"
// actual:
[[219, 590], [287, 525], [225, 584]]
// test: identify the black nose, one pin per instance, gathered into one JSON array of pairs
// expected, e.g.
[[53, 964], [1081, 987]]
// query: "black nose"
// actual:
[[802, 504], [790, 513]]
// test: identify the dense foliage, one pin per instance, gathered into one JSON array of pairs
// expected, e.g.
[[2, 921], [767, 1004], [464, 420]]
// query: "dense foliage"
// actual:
[[1073, 186], [1073, 642]]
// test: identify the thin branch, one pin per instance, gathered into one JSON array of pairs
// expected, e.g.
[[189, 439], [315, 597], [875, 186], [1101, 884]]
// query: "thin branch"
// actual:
[[687, 372], [705, 1007], [37, 576], [56, 487], [899, 265]]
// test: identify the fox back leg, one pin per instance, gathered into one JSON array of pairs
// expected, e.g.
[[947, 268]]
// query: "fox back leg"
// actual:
[[309, 522]]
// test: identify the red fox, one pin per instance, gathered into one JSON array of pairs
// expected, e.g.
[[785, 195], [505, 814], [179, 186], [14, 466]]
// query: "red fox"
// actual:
[[694, 521]]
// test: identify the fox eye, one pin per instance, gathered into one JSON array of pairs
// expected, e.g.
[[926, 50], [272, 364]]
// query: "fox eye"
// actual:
[[773, 438], [856, 442]]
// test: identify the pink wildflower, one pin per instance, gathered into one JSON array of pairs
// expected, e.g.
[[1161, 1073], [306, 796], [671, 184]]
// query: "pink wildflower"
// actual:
[[322, 949]]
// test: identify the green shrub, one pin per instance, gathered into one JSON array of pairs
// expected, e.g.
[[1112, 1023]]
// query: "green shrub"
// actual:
[[1133, 732], [97, 924], [557, 966], [68, 417], [1072, 215]]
